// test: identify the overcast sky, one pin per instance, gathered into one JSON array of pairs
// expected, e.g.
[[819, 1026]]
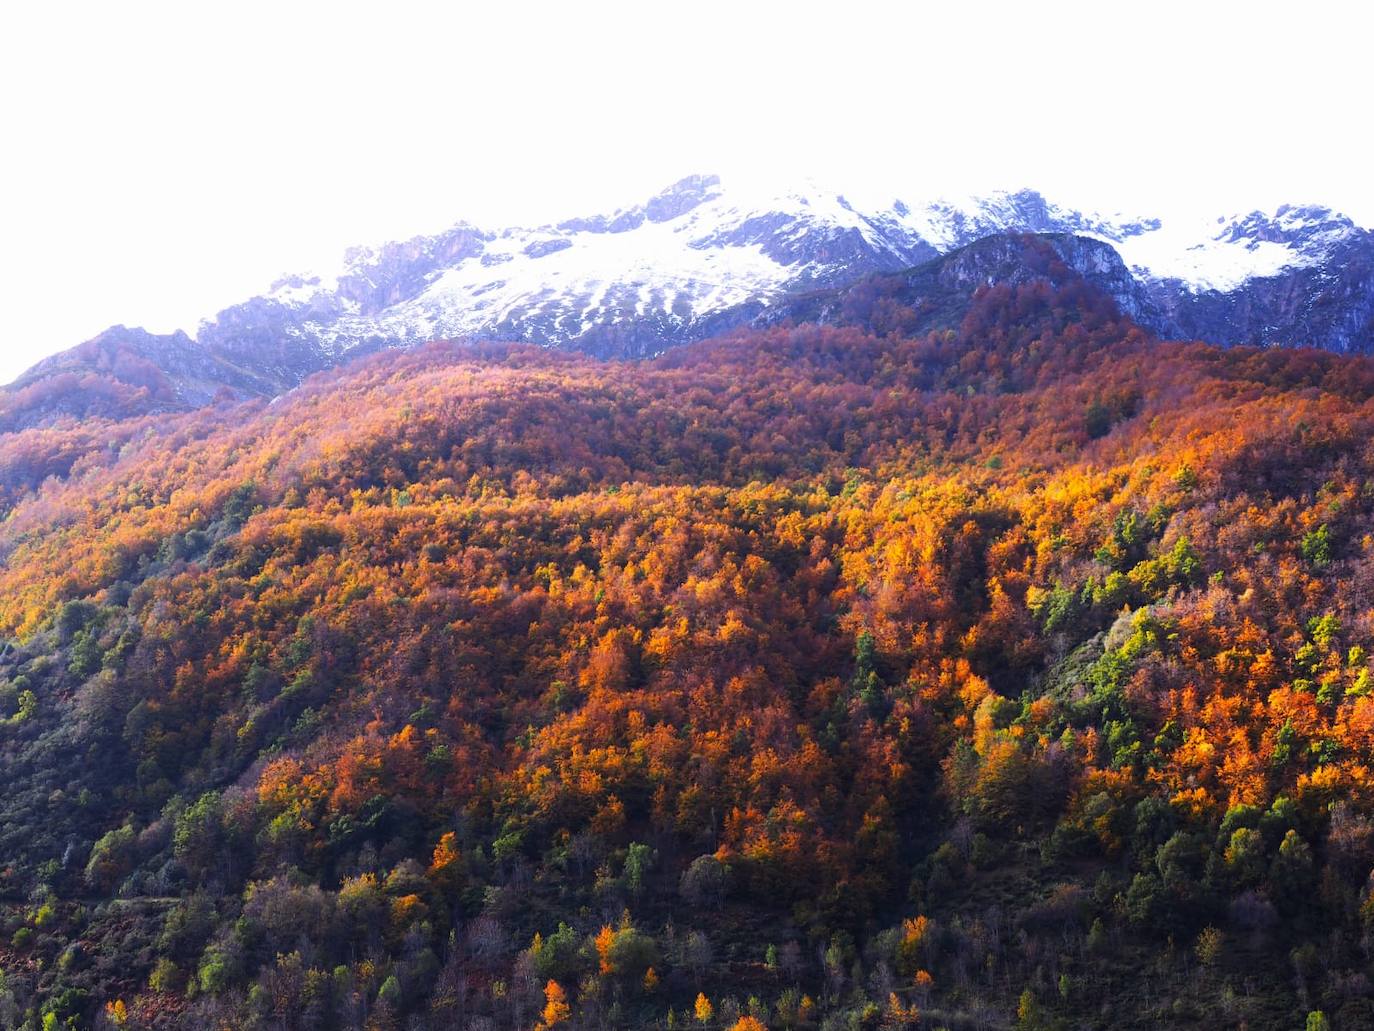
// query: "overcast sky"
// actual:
[[161, 161]]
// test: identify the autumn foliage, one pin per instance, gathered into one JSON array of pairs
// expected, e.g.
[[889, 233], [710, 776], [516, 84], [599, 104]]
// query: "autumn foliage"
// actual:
[[832, 635]]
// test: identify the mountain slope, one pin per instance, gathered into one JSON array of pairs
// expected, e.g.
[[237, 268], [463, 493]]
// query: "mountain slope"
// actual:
[[81, 406], [125, 372], [830, 674], [1325, 302], [940, 293]]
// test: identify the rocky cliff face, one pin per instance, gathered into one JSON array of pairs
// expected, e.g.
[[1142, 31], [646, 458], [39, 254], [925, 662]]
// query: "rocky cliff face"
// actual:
[[704, 256], [1328, 305]]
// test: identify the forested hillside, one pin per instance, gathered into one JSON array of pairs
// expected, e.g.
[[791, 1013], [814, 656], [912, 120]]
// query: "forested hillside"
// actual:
[[1016, 674]]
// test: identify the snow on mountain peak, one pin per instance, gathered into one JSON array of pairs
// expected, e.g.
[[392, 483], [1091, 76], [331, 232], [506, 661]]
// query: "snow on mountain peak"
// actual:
[[1223, 253], [658, 272]]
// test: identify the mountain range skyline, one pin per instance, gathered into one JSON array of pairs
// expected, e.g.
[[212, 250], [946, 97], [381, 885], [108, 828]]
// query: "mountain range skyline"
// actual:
[[155, 183], [1189, 247], [709, 252]]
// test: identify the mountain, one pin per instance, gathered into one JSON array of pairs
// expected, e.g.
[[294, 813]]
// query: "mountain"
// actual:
[[1308, 280], [946, 654], [941, 293], [703, 254], [87, 402], [629, 284], [700, 258], [131, 371]]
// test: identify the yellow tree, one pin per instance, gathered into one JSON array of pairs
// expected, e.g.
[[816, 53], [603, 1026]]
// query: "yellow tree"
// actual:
[[556, 1008], [605, 938], [446, 866], [899, 1015], [704, 1010]]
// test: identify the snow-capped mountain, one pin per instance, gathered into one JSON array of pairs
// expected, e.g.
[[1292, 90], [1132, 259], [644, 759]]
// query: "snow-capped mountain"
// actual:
[[1224, 253], [1300, 277], [631, 283], [706, 255]]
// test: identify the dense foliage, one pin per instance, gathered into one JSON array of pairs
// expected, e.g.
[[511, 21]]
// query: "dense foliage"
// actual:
[[1014, 674]]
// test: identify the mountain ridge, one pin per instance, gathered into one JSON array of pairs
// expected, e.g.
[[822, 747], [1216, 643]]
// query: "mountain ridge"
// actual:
[[705, 256]]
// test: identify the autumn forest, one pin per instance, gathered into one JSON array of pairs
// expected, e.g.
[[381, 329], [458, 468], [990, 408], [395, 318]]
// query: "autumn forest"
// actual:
[[1013, 673]]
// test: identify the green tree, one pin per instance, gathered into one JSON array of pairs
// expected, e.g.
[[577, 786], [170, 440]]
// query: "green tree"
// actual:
[[639, 858], [198, 838], [112, 859], [1316, 547]]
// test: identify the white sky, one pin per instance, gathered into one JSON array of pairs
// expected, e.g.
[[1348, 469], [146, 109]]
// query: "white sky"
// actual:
[[161, 161]]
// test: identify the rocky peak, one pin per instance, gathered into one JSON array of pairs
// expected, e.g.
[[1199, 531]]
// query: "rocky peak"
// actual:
[[682, 197], [1297, 227]]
